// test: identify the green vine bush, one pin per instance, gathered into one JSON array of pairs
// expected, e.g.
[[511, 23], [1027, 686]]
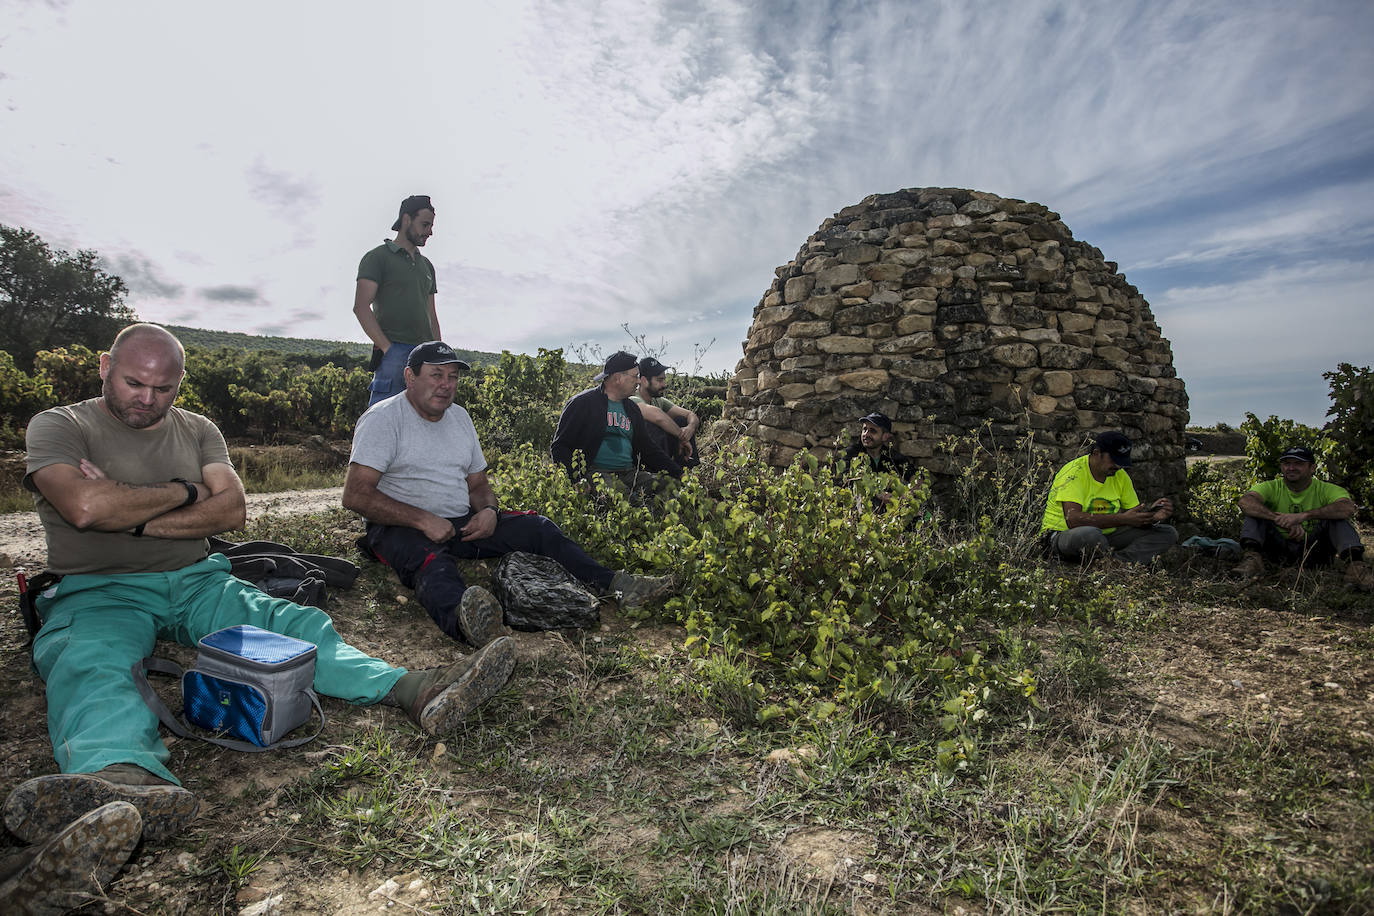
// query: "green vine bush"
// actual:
[[1212, 495], [1266, 440], [1352, 428], [802, 598]]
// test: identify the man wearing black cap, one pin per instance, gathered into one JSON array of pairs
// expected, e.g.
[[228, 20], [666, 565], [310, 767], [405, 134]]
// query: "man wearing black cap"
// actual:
[[1092, 508], [607, 427], [1297, 518], [674, 427], [394, 300], [418, 475], [876, 444]]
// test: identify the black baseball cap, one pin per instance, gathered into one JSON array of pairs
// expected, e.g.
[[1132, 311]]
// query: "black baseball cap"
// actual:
[[1300, 452], [651, 368], [878, 419], [1116, 445], [434, 353], [412, 204], [619, 361]]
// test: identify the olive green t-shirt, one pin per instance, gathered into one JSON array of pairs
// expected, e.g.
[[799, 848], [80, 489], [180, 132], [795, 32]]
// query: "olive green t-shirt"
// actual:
[[404, 285], [180, 446], [1278, 498]]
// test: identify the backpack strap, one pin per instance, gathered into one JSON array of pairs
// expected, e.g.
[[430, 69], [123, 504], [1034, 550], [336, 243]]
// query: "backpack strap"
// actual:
[[183, 729], [29, 590]]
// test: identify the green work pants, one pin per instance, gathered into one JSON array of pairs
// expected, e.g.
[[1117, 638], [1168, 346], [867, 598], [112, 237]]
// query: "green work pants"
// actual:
[[96, 627]]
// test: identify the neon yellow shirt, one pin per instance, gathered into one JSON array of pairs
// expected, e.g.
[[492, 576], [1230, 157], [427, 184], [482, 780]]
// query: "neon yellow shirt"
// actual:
[[1075, 484], [1278, 498]]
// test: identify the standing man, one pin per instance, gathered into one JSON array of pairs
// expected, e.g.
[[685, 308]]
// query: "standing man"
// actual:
[[675, 427], [394, 300], [607, 427], [128, 488], [1092, 508], [418, 475], [1297, 518]]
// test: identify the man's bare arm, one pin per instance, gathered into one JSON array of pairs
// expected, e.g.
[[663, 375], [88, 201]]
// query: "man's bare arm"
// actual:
[[482, 505], [693, 421], [362, 310], [662, 421], [88, 500], [434, 319], [360, 494], [223, 510], [1138, 516]]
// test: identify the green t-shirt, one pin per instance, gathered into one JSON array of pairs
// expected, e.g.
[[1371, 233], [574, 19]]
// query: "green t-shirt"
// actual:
[[1278, 498], [617, 445], [1075, 484], [404, 285], [660, 402]]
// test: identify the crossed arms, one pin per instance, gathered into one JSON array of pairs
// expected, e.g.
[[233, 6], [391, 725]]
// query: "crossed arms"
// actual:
[[1252, 504], [89, 500]]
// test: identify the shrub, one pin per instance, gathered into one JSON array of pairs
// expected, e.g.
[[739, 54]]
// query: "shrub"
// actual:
[[1212, 495], [1352, 428], [1266, 441]]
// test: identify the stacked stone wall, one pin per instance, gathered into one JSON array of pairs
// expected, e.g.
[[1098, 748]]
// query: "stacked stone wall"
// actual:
[[952, 311]]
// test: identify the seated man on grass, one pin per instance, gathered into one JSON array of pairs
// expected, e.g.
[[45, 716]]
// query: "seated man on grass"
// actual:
[[418, 475], [606, 427], [128, 489], [674, 427], [1092, 509], [1297, 518]]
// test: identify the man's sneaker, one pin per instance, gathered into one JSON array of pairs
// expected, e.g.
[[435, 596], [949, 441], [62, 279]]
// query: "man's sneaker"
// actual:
[[637, 591], [451, 693], [1250, 567], [480, 617], [40, 807], [1359, 575], [74, 865]]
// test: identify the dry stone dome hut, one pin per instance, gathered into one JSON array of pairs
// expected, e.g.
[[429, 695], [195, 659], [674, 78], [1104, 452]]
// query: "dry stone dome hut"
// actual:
[[948, 309]]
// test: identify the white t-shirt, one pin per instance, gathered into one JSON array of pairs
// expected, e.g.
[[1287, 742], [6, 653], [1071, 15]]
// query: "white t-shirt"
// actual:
[[423, 464]]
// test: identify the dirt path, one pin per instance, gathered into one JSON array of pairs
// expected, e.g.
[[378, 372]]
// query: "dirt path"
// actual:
[[21, 534]]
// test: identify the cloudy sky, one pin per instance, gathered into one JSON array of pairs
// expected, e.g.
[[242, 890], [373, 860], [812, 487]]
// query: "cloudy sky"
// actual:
[[597, 163]]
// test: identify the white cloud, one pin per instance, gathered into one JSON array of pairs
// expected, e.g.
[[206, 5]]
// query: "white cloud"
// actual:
[[600, 162]]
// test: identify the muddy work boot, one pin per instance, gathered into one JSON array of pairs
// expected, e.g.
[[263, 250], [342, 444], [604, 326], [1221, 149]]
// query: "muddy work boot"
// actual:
[[637, 591], [73, 866], [439, 699], [40, 807], [1250, 568], [480, 617], [1358, 575]]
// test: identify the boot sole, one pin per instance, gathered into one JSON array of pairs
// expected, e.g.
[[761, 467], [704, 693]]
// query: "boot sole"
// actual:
[[480, 617], [40, 807], [484, 678], [73, 867]]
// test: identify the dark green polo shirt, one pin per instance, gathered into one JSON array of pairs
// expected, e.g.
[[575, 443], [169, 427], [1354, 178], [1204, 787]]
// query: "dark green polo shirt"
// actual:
[[404, 286]]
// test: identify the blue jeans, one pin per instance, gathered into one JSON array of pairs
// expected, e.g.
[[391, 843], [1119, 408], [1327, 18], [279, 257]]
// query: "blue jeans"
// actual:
[[431, 569], [96, 627], [390, 377]]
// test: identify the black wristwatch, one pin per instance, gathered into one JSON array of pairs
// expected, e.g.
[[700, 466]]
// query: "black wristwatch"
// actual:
[[192, 494]]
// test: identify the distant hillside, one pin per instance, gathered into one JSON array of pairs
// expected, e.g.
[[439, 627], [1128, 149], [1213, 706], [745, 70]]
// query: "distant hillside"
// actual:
[[202, 339]]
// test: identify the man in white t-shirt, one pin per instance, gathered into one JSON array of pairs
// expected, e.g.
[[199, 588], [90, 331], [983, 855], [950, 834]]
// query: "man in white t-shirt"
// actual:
[[418, 475]]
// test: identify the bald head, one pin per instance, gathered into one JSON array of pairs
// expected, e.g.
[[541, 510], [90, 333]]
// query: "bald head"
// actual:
[[141, 375], [150, 337]]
